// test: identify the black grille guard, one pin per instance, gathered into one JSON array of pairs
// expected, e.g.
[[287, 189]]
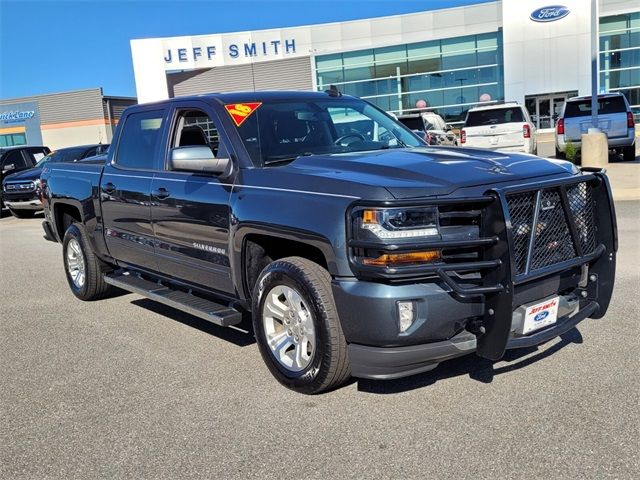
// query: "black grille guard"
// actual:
[[500, 273], [496, 331]]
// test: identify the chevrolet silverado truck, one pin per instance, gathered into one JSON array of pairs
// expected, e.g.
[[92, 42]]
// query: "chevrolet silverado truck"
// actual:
[[357, 250]]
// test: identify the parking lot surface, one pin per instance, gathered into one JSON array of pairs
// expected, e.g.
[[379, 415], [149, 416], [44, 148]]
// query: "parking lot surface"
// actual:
[[127, 388]]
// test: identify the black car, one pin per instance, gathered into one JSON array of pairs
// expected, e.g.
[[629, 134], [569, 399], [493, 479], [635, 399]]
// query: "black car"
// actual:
[[357, 249], [21, 190], [19, 158]]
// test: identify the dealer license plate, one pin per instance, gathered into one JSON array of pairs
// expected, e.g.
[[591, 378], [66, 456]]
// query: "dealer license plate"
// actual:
[[541, 315]]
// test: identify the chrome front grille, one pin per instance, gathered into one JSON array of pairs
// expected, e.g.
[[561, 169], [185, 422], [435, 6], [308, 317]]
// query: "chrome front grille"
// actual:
[[19, 187]]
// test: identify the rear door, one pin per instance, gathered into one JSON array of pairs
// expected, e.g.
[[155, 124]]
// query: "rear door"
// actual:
[[126, 188], [190, 210], [495, 128]]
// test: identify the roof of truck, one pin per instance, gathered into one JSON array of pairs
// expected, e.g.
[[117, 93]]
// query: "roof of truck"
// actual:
[[260, 96]]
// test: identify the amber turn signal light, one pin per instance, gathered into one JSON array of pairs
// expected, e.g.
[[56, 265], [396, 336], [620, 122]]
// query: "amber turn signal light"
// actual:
[[388, 259], [369, 216]]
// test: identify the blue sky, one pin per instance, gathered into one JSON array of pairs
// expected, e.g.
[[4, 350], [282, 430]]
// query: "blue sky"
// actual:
[[52, 46]]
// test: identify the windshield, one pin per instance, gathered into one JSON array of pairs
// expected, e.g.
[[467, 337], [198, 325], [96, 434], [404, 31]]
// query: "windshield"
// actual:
[[493, 116], [279, 132], [64, 155]]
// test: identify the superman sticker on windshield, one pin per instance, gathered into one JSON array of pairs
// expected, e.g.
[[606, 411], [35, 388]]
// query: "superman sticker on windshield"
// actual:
[[241, 111]]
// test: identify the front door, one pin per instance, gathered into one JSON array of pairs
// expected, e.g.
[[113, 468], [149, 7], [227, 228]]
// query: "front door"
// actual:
[[190, 210], [126, 189], [546, 109]]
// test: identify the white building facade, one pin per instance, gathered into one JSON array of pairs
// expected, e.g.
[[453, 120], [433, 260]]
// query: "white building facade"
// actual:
[[532, 52]]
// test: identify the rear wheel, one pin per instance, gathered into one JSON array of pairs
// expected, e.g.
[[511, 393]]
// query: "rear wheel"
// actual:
[[297, 327], [629, 153], [22, 213], [85, 272], [560, 155]]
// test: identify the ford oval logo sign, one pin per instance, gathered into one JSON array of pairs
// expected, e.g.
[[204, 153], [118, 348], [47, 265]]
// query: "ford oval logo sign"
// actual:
[[549, 14], [541, 316]]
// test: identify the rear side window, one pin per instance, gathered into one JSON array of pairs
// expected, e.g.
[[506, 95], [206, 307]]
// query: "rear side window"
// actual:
[[582, 108], [494, 116], [414, 123], [139, 140]]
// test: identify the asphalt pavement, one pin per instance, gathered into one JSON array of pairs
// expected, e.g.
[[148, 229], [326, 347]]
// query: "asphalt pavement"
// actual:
[[126, 388]]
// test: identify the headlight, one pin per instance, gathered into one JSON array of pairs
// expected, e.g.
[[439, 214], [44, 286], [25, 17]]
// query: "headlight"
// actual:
[[396, 223]]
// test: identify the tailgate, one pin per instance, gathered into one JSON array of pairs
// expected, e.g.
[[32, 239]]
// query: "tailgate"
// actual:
[[495, 136], [614, 125]]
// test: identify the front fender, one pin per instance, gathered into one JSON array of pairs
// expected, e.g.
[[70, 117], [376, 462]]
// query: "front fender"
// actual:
[[315, 220]]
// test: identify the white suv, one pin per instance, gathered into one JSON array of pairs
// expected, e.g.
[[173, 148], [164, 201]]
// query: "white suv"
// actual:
[[504, 126]]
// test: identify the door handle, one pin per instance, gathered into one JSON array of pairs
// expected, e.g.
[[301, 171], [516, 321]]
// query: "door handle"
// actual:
[[160, 193], [108, 188]]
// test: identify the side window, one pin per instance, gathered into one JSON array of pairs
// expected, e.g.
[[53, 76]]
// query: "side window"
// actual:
[[38, 155], [194, 127], [91, 152], [139, 140], [16, 159]]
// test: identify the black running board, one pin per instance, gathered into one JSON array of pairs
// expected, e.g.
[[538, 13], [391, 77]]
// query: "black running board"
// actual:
[[200, 307]]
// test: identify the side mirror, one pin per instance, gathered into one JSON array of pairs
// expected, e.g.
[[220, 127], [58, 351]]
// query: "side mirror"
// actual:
[[197, 158]]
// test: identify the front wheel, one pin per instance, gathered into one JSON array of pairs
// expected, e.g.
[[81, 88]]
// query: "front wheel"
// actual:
[[85, 272], [297, 327]]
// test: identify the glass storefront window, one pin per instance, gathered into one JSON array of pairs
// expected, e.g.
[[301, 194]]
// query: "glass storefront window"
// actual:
[[620, 55], [12, 139], [449, 72]]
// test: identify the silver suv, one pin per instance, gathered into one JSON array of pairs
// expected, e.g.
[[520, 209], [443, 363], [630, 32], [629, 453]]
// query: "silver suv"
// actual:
[[614, 118]]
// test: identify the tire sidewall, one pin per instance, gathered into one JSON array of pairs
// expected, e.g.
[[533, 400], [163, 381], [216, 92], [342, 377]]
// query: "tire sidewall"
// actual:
[[73, 232], [283, 273]]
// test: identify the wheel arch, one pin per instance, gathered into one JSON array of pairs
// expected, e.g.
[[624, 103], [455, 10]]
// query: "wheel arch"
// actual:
[[257, 245]]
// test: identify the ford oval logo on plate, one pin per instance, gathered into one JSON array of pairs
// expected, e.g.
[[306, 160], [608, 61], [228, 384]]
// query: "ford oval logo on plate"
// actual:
[[549, 14], [541, 316]]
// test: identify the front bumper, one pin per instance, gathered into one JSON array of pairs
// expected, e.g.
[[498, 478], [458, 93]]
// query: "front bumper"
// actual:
[[32, 204], [453, 319], [381, 363]]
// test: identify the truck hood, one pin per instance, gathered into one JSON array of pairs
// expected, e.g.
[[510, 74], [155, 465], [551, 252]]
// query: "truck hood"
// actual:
[[419, 172], [25, 175]]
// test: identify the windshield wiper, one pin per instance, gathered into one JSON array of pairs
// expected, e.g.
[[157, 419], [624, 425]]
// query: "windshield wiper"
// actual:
[[285, 158]]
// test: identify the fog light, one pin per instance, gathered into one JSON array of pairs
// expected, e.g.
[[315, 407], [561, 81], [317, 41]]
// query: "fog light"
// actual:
[[406, 315]]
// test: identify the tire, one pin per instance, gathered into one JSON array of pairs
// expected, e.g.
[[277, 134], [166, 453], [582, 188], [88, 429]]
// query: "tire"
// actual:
[[23, 213], [560, 155], [93, 286], [629, 153], [328, 363]]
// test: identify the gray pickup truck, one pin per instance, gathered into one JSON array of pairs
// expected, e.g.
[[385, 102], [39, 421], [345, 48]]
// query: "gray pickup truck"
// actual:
[[356, 249], [614, 118]]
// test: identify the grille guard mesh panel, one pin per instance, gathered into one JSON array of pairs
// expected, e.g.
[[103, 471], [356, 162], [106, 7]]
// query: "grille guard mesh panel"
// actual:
[[550, 241]]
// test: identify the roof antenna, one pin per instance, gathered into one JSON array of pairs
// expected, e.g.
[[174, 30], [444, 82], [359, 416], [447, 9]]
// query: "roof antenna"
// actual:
[[333, 91]]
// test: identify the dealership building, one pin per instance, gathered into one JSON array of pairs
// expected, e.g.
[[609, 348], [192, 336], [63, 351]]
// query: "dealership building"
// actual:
[[61, 119], [532, 52]]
